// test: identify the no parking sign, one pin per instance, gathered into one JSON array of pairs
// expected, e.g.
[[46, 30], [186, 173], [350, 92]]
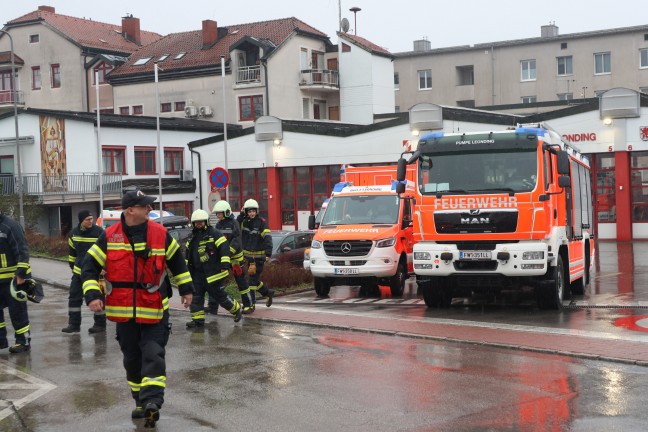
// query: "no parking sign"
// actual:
[[218, 178]]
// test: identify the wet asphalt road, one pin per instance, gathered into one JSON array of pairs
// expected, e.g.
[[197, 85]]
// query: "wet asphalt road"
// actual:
[[262, 376]]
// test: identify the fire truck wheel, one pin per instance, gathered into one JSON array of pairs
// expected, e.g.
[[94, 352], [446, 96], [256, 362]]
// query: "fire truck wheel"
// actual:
[[322, 287], [436, 292], [552, 292], [397, 282]]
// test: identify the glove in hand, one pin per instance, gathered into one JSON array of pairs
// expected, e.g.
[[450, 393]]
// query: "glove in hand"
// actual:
[[237, 270]]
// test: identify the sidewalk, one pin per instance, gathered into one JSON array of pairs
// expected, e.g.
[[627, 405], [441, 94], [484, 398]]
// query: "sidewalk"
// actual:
[[51, 272]]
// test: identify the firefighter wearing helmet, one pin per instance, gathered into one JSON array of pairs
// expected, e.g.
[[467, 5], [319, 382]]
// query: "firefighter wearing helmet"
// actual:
[[208, 259], [257, 248], [231, 229]]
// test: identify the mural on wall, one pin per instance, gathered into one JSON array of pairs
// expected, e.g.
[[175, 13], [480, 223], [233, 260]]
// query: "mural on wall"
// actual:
[[53, 154]]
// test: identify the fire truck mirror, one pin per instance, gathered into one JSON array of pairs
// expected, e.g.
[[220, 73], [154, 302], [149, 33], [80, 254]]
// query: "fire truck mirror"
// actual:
[[400, 188], [563, 162], [311, 222], [564, 181], [401, 171]]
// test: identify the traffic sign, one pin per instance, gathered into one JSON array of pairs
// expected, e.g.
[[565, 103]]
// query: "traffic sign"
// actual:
[[218, 178]]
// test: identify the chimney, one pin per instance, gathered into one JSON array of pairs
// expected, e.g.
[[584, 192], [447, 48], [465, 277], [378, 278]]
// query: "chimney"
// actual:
[[47, 9], [131, 29], [550, 30], [422, 45], [209, 33]]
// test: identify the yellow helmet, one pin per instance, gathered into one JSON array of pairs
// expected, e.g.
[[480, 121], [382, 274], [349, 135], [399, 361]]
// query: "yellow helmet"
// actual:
[[223, 207], [199, 215]]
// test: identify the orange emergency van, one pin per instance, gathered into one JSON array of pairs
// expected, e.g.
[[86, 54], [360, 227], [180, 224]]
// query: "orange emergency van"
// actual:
[[500, 211], [365, 235]]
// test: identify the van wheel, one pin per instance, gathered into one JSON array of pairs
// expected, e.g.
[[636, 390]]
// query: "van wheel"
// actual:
[[322, 287], [552, 289], [397, 282]]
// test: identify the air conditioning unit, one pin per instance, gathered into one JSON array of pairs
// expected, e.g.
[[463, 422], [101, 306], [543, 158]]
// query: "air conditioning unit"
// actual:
[[206, 111], [186, 175], [191, 111]]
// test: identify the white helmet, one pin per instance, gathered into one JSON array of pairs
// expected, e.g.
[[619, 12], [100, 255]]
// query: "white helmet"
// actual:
[[250, 204], [223, 207], [199, 215]]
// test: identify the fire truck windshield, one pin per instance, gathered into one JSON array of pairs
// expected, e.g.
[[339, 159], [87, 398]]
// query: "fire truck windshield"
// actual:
[[362, 209], [482, 171]]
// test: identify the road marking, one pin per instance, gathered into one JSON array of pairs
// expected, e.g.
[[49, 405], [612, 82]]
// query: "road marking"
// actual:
[[22, 384]]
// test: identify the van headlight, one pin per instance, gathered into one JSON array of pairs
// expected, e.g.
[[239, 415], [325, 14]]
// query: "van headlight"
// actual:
[[316, 244], [386, 242], [534, 255]]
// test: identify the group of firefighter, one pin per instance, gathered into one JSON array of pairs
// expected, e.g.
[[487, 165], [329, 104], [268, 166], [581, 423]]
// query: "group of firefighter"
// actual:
[[126, 274]]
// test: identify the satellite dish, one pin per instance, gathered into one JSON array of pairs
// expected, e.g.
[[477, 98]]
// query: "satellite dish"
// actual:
[[345, 25]]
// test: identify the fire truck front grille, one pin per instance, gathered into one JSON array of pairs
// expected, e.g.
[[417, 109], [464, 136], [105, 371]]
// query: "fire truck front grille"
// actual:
[[351, 263], [347, 248], [475, 222], [475, 265]]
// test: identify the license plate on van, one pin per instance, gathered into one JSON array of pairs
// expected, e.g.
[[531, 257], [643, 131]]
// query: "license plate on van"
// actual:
[[346, 271], [475, 255]]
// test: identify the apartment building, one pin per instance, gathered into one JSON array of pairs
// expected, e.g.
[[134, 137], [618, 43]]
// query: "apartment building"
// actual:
[[56, 57], [283, 67], [523, 71]]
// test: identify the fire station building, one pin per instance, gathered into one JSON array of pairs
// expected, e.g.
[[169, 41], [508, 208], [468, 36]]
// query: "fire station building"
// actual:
[[292, 172]]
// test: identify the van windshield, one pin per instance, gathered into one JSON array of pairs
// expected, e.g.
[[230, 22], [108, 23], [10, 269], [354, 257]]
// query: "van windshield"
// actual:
[[362, 209]]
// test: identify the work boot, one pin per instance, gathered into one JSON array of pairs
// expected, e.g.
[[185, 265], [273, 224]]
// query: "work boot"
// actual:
[[137, 413], [4, 343], [19, 348], [71, 328], [97, 329], [195, 324], [269, 296], [151, 414], [238, 314], [248, 309]]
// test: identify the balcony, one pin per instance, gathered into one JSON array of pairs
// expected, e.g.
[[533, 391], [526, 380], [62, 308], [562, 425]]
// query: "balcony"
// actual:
[[57, 189], [248, 75], [7, 98], [320, 79]]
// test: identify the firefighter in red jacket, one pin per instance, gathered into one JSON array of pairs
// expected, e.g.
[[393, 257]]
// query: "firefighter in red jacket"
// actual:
[[135, 254]]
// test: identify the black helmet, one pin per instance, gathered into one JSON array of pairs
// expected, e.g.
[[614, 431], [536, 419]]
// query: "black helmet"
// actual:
[[28, 290]]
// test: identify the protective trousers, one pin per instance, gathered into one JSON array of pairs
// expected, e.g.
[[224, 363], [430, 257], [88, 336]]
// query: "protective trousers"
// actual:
[[254, 282], [75, 300], [215, 290], [143, 348], [17, 313], [244, 291]]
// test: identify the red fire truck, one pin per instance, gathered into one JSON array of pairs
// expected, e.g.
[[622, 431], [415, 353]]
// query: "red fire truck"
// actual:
[[501, 211]]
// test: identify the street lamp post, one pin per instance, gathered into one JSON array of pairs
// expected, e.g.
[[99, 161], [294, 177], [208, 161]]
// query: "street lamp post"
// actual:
[[224, 122], [15, 106], [157, 127], [99, 151]]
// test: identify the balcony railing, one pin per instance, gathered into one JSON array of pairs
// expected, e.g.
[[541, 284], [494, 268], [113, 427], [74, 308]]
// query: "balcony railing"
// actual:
[[248, 74], [320, 77], [71, 184], [7, 97]]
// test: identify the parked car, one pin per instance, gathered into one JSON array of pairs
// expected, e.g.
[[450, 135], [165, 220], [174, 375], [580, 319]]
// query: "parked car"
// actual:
[[289, 246], [178, 226]]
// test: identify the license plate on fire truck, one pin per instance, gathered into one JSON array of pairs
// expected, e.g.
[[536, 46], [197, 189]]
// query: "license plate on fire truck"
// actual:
[[475, 255], [346, 271]]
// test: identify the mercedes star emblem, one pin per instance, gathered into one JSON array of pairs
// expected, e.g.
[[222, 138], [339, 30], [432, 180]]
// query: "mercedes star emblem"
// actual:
[[345, 248]]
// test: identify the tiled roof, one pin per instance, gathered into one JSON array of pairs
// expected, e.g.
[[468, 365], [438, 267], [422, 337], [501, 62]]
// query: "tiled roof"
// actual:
[[364, 43], [5, 57], [86, 32], [276, 31]]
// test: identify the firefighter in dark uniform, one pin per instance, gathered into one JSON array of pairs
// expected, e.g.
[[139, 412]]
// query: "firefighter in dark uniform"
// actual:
[[208, 259], [257, 248], [14, 263], [81, 239], [135, 254], [231, 229]]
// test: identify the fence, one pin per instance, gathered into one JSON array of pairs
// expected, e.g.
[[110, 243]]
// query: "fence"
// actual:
[[71, 184]]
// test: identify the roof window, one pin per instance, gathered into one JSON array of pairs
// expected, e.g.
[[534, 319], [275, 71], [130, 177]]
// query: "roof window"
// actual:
[[163, 57], [142, 61], [180, 55]]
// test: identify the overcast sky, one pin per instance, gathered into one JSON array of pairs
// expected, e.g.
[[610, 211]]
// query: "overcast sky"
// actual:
[[393, 24]]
